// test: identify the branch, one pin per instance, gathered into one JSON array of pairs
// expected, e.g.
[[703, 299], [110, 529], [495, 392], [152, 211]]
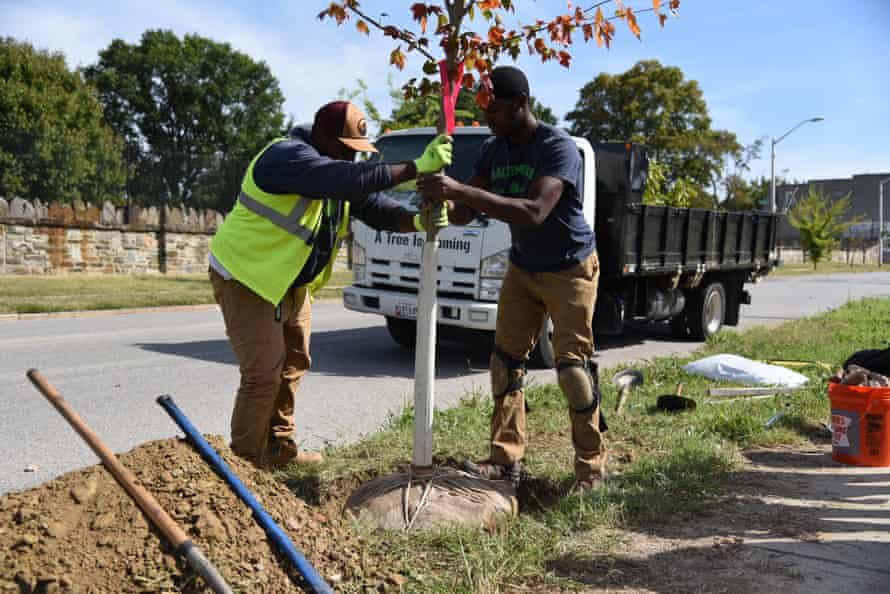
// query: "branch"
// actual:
[[401, 32], [585, 11]]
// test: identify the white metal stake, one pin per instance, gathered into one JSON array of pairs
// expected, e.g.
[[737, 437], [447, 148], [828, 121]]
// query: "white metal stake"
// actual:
[[425, 340], [425, 354]]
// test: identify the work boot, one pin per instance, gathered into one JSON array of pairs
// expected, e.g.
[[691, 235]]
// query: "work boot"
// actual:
[[495, 472], [281, 454], [591, 483], [590, 475]]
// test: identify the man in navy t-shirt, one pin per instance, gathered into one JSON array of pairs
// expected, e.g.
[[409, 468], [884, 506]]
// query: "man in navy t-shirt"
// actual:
[[529, 175]]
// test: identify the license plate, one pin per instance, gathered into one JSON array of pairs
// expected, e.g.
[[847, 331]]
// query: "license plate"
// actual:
[[406, 310]]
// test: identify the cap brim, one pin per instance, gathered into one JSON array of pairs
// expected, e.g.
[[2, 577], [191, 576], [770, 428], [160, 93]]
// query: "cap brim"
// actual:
[[363, 145]]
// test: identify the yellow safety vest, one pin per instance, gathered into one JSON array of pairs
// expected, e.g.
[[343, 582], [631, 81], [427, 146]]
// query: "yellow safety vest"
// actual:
[[267, 238]]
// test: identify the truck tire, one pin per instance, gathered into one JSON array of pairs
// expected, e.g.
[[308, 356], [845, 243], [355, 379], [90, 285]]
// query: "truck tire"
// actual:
[[543, 356], [404, 332], [707, 311]]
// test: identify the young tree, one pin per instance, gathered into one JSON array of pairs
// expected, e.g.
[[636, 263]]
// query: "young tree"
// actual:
[[466, 51], [655, 105], [192, 111], [54, 144], [820, 222]]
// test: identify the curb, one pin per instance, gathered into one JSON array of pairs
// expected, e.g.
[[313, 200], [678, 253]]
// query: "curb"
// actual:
[[97, 313], [104, 312]]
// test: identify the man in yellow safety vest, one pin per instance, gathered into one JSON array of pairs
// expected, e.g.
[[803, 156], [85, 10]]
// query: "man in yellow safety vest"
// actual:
[[278, 245]]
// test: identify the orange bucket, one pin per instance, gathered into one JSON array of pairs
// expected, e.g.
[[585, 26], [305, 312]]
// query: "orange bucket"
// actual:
[[860, 425]]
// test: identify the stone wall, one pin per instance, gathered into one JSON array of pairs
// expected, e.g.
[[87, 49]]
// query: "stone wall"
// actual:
[[56, 238]]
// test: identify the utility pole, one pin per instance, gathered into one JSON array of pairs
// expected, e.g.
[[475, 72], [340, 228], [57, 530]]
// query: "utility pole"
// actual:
[[881, 220]]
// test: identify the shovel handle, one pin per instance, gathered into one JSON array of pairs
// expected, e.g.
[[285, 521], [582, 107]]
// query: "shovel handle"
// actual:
[[622, 397], [146, 502]]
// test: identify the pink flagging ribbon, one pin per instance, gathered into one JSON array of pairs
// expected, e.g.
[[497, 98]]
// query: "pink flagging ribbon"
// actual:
[[449, 95]]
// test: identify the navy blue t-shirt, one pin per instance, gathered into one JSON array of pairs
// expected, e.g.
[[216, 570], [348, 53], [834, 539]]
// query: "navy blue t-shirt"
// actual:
[[565, 238]]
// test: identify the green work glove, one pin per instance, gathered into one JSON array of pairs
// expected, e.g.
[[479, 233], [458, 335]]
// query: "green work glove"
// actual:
[[436, 155], [435, 216]]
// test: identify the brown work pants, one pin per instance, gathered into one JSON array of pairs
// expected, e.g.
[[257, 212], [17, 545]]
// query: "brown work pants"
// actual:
[[568, 297], [273, 356]]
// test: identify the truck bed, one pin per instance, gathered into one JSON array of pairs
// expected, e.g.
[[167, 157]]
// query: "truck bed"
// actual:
[[654, 240], [635, 239]]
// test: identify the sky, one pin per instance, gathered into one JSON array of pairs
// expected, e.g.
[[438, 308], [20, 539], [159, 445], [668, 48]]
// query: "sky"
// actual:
[[763, 65]]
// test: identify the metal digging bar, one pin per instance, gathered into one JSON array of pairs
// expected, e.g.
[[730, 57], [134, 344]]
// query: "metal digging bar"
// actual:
[[146, 502], [273, 531]]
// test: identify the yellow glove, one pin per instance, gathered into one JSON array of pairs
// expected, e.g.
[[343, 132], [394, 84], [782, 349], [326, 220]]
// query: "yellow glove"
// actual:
[[434, 216], [436, 156]]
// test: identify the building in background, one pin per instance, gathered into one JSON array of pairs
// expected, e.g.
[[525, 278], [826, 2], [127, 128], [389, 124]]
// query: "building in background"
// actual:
[[859, 243]]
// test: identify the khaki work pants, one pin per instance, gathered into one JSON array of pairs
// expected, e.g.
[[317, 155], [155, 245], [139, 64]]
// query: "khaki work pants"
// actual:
[[568, 297], [273, 356]]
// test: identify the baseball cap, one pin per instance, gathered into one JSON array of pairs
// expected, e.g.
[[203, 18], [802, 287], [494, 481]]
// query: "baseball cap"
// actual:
[[508, 82], [345, 122]]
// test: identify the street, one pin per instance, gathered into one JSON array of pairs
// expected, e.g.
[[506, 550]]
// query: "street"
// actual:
[[112, 367]]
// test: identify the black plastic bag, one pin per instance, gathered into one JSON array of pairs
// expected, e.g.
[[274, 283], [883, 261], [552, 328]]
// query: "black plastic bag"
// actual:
[[876, 360]]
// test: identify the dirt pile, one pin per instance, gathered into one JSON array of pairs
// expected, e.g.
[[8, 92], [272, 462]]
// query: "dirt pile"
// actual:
[[82, 533]]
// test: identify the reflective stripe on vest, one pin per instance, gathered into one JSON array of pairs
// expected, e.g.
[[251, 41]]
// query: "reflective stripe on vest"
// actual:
[[289, 222]]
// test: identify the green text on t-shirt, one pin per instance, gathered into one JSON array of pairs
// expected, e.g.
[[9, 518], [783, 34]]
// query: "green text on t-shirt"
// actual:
[[523, 171]]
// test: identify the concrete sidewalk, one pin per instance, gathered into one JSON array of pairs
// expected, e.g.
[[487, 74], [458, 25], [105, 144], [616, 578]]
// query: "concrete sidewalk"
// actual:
[[839, 515]]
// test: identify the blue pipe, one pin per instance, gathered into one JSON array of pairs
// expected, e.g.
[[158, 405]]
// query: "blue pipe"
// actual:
[[273, 531]]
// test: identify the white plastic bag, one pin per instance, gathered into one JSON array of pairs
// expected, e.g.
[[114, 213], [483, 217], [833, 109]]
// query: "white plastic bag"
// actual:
[[732, 368]]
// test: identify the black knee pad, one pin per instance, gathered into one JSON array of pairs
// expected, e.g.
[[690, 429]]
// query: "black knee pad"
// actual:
[[503, 373]]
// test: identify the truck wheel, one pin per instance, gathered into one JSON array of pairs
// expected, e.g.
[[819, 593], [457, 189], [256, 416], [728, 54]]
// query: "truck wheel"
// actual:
[[543, 356], [402, 331], [708, 309]]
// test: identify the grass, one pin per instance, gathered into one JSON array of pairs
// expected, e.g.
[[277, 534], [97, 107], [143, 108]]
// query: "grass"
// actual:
[[665, 465], [796, 269], [43, 294]]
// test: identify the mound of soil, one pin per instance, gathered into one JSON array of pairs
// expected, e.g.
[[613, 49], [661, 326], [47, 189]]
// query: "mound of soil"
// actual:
[[82, 533]]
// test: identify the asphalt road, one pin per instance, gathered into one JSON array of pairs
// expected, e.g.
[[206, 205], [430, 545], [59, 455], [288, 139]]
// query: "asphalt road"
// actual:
[[112, 367]]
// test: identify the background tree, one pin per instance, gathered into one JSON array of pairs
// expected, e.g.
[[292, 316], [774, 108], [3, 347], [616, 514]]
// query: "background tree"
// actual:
[[747, 194], [192, 111], [54, 144], [654, 105], [739, 194], [820, 222], [682, 193]]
